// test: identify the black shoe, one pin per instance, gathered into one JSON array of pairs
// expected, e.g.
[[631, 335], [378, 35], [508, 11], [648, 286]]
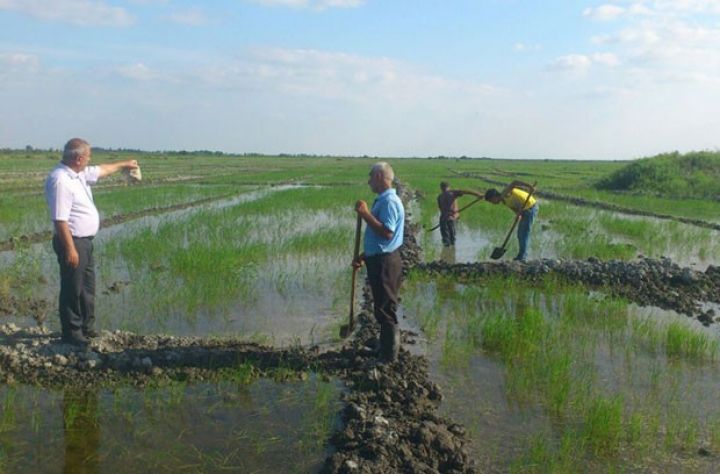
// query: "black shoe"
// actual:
[[91, 333], [389, 342], [76, 338]]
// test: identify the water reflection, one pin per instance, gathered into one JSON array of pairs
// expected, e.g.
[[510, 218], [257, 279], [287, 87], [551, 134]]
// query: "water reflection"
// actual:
[[235, 425], [447, 255], [81, 431]]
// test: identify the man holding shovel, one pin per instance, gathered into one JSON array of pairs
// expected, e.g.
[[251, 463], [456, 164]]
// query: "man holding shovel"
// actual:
[[447, 203], [517, 196], [383, 237]]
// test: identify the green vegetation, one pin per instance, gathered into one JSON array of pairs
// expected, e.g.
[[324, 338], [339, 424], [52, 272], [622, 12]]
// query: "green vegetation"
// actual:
[[690, 175], [611, 386], [258, 247]]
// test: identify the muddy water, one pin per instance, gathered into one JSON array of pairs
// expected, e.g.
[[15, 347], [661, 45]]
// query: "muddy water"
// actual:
[[473, 245], [261, 427], [501, 425], [291, 299], [684, 244]]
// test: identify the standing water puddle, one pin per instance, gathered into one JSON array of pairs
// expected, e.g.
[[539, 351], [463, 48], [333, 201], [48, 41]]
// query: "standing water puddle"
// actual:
[[264, 426], [515, 407], [284, 298]]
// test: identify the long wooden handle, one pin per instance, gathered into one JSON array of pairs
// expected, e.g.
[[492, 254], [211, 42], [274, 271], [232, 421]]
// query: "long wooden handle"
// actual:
[[460, 210], [358, 228]]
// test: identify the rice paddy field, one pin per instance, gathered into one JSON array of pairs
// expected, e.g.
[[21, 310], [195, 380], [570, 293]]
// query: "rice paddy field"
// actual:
[[546, 376]]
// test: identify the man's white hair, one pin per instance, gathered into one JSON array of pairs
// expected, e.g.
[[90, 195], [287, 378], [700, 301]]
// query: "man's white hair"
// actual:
[[75, 148], [386, 170]]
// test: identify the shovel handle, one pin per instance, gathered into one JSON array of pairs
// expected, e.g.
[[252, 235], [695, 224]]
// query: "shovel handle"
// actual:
[[358, 228], [518, 215], [356, 253], [460, 210]]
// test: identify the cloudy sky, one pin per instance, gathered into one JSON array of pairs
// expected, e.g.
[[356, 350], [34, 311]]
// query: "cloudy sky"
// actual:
[[501, 78]]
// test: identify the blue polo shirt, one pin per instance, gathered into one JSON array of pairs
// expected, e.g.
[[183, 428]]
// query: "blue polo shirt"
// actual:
[[389, 210]]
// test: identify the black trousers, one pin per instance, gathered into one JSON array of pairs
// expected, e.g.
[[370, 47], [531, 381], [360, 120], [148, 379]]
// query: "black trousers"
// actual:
[[447, 231], [384, 273], [77, 287]]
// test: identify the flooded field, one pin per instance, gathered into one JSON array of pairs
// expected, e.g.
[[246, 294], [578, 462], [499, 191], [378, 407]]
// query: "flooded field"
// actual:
[[544, 374], [238, 426], [552, 376]]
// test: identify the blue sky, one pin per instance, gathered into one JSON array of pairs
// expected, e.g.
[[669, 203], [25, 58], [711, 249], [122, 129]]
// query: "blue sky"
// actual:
[[501, 78]]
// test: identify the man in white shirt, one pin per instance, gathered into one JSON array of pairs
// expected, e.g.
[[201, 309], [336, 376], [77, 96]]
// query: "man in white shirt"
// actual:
[[76, 221]]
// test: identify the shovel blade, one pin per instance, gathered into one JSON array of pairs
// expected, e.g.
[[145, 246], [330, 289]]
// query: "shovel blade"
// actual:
[[497, 253]]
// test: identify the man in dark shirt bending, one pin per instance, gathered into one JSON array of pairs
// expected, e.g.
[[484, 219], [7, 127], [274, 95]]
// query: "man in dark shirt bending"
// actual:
[[447, 203]]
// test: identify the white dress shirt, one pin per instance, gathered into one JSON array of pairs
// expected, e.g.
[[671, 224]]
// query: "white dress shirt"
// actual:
[[70, 199]]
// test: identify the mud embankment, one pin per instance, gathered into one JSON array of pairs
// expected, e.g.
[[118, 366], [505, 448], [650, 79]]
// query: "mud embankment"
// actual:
[[576, 201], [646, 282]]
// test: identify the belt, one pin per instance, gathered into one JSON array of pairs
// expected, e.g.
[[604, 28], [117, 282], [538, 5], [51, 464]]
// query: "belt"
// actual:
[[89, 237], [383, 254]]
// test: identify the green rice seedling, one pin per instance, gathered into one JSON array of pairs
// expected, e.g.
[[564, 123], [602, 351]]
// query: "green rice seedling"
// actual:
[[681, 340], [243, 374], [558, 380], [7, 419], [635, 431], [714, 432], [603, 425], [457, 348], [543, 457]]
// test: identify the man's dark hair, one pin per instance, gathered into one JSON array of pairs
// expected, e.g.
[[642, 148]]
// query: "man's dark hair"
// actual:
[[444, 185], [491, 193]]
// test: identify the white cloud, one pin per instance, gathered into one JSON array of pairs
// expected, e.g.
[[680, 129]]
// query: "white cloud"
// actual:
[[313, 4], [19, 61], [571, 62], [76, 12], [651, 8], [604, 12], [190, 17], [333, 75], [138, 72], [526, 48], [606, 59]]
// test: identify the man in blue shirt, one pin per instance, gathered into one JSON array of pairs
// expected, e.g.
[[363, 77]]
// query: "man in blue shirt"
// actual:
[[384, 232]]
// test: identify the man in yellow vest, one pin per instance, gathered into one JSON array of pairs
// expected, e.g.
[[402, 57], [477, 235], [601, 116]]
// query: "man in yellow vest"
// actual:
[[515, 197]]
